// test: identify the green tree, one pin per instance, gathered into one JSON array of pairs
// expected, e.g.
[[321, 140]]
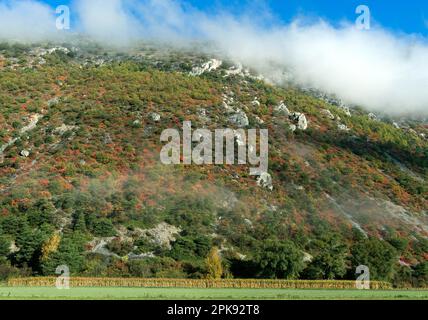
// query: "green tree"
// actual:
[[330, 259], [4, 246], [79, 223], [420, 273], [69, 252], [282, 260], [379, 256], [42, 212], [104, 228], [30, 241]]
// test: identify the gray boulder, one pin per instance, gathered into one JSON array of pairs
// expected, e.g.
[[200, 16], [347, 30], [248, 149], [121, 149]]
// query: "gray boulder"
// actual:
[[25, 153], [239, 119], [299, 119], [282, 109], [265, 181]]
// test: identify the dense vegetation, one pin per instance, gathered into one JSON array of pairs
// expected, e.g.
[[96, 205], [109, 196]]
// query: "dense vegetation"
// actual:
[[100, 177]]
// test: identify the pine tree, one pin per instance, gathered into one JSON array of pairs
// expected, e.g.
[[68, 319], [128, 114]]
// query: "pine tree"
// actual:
[[80, 223]]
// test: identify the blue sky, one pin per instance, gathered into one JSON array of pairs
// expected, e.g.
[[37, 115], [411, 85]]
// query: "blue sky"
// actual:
[[397, 15]]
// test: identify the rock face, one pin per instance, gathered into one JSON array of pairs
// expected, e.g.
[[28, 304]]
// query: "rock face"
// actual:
[[107, 139], [155, 117], [142, 256], [256, 102], [64, 128], [346, 110], [99, 246], [239, 119], [209, 66], [282, 109], [162, 235], [53, 102], [203, 115], [259, 120], [327, 113], [34, 119], [237, 70], [25, 153], [299, 120], [265, 181], [373, 116], [343, 127]]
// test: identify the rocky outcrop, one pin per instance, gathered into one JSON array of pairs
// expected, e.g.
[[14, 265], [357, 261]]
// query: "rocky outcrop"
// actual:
[[209, 66], [33, 120], [237, 70], [255, 102], [299, 119], [282, 109], [162, 235], [259, 120], [346, 110], [327, 113], [265, 181], [99, 246], [53, 102], [25, 153], [372, 116], [239, 119], [342, 127], [64, 128]]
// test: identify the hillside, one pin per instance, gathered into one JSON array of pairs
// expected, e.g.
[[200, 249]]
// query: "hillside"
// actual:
[[81, 183]]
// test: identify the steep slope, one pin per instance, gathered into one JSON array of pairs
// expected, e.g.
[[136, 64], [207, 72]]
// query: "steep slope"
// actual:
[[79, 151]]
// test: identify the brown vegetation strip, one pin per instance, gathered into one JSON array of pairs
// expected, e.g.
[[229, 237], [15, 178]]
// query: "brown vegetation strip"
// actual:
[[194, 283]]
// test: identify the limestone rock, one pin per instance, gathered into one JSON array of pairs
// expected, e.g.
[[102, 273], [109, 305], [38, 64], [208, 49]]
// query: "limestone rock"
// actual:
[[155, 116], [64, 128], [53, 102], [25, 153], [256, 102], [209, 66], [163, 234], [34, 119], [372, 116], [265, 181], [259, 120], [343, 127], [239, 119], [299, 120], [327, 113], [282, 109], [346, 110]]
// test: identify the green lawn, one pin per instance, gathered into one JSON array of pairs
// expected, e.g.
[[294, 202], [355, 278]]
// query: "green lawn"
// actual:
[[188, 294]]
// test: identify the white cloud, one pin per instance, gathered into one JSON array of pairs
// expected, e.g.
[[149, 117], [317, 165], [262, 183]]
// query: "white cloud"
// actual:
[[109, 21], [26, 20], [377, 69]]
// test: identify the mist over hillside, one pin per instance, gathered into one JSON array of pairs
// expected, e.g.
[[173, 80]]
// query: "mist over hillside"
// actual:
[[377, 69]]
